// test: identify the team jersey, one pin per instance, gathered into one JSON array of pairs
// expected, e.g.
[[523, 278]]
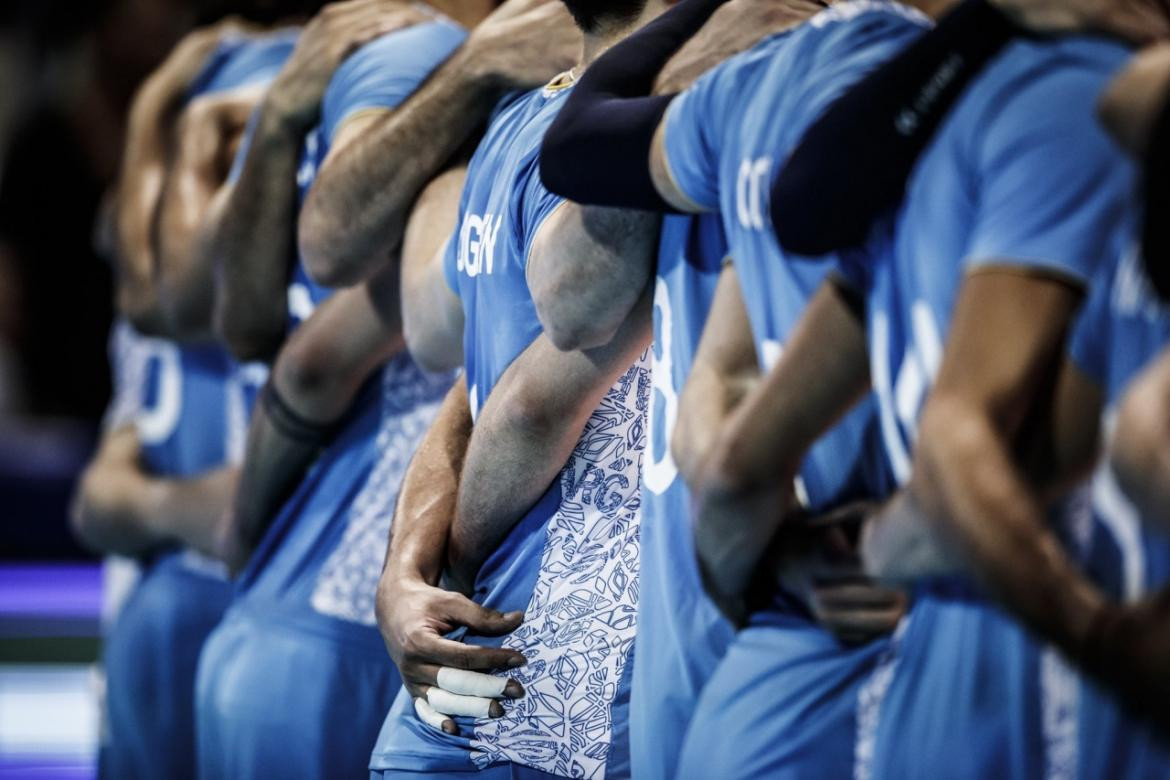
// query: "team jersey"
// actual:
[[241, 61], [571, 564], [1123, 328], [726, 137], [1019, 175], [298, 656], [680, 630]]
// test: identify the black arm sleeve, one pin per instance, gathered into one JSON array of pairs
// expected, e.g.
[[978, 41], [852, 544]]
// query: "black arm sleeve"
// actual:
[[597, 151], [853, 162], [1156, 192]]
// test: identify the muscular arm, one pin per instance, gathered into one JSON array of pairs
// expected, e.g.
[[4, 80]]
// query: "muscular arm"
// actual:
[[746, 483], [724, 371], [318, 374], [1006, 337], [249, 237], [587, 267], [528, 428], [361, 202], [121, 509]]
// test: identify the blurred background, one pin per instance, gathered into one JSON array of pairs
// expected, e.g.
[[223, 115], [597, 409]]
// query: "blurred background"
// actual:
[[68, 71]]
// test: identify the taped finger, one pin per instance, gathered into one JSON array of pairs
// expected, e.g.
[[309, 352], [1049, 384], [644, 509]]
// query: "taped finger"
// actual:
[[468, 683], [469, 706], [436, 720]]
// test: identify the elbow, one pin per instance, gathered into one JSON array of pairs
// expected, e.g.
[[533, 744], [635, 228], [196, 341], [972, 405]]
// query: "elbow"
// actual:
[[569, 325], [326, 251]]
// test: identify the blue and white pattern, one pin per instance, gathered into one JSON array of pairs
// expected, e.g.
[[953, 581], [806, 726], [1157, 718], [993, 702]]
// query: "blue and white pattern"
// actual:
[[578, 630], [348, 582]]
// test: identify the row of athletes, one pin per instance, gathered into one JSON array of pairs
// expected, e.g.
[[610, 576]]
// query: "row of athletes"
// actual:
[[732, 401]]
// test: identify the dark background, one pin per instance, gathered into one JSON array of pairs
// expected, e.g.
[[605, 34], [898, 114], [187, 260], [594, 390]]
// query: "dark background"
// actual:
[[68, 72]]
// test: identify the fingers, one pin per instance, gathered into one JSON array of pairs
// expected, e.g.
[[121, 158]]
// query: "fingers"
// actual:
[[447, 652], [450, 703], [858, 612], [436, 720], [476, 684], [483, 621]]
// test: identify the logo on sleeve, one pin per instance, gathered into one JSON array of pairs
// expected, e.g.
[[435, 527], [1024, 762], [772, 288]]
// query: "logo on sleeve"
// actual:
[[477, 244]]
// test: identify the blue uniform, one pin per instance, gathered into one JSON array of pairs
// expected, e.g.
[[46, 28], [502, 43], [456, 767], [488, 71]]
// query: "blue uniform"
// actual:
[[193, 412], [725, 138], [1123, 328], [680, 630], [571, 564], [152, 648], [296, 679], [1019, 175]]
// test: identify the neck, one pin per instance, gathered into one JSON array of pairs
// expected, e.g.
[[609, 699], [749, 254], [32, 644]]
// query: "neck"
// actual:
[[468, 13], [609, 34]]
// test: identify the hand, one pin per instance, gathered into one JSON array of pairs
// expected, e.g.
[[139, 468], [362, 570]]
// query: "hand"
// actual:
[[1129, 650], [332, 35], [736, 26], [525, 43], [443, 676], [1138, 21], [820, 563]]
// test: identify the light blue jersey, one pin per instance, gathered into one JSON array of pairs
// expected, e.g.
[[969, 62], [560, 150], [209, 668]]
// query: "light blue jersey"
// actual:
[[192, 414], [571, 564], [726, 138], [681, 634], [1020, 175], [296, 680], [1123, 328]]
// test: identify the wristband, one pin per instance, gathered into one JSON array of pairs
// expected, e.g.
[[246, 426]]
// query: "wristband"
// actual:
[[1156, 195], [852, 163], [290, 423], [597, 151]]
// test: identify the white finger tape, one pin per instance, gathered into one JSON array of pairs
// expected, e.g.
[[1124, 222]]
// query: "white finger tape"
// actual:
[[426, 713], [454, 704], [471, 683]]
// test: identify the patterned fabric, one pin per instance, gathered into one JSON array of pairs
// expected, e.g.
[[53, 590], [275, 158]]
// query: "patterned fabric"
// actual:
[[578, 630], [348, 581]]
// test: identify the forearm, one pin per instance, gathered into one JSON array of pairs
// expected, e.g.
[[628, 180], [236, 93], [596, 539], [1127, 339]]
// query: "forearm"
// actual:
[[526, 432], [361, 202], [191, 509], [427, 498], [967, 484], [253, 242], [116, 509], [899, 544], [746, 485]]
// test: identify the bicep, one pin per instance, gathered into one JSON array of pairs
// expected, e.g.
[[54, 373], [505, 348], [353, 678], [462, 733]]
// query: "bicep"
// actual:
[[432, 318]]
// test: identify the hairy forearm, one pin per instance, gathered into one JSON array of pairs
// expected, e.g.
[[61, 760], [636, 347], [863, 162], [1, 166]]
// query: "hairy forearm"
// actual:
[[526, 432], [966, 482], [253, 242], [427, 498], [361, 201]]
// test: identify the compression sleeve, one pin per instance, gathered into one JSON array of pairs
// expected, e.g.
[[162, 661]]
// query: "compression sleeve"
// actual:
[[597, 150], [853, 162], [1156, 192]]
